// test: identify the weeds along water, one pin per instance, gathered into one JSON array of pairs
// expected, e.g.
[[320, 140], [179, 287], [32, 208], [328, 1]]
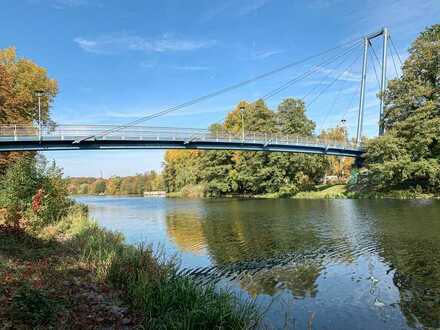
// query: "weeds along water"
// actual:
[[151, 284]]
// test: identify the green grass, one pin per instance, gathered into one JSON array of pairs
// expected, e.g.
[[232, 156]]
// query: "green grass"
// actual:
[[324, 192], [151, 284], [36, 265], [397, 194], [189, 191]]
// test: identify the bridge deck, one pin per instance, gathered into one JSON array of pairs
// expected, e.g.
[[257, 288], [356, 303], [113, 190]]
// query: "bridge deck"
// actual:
[[72, 137]]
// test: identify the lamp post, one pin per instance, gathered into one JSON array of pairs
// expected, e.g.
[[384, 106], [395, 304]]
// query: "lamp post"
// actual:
[[342, 159], [242, 121], [39, 94]]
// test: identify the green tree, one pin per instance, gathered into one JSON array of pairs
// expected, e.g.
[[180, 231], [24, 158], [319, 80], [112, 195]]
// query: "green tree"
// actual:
[[238, 172], [257, 117], [292, 119], [408, 156], [19, 80]]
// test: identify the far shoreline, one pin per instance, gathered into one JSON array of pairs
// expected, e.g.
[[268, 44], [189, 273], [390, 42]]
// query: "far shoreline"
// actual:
[[336, 191]]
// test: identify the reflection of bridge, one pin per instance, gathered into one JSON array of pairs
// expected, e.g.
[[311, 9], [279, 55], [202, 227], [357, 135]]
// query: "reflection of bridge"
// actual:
[[71, 137]]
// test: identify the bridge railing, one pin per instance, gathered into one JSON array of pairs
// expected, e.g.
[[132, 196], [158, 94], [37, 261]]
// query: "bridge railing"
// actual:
[[188, 135]]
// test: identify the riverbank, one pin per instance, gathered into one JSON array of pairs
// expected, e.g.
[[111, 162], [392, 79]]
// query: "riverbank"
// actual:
[[336, 191], [75, 274]]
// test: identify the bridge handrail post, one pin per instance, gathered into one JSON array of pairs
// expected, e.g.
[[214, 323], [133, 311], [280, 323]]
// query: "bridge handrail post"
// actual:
[[15, 132]]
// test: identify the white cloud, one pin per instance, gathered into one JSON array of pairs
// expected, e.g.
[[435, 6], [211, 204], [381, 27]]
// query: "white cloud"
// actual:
[[344, 75], [322, 4], [150, 65], [139, 112], [263, 54], [123, 43], [251, 6], [234, 7]]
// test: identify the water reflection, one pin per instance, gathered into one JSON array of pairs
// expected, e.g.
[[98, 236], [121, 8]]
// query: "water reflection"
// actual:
[[355, 264], [409, 243], [186, 231], [299, 280]]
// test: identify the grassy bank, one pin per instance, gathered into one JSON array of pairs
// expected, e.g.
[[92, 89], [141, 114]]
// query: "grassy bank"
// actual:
[[335, 191], [397, 194], [326, 192], [74, 274]]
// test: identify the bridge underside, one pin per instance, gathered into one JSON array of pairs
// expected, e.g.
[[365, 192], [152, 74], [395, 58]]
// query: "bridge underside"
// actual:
[[109, 144]]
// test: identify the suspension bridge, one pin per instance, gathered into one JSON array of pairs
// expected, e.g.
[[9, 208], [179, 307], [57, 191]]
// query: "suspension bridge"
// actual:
[[133, 135], [73, 137]]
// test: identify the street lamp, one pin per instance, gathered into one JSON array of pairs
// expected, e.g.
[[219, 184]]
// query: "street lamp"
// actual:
[[39, 94], [242, 121]]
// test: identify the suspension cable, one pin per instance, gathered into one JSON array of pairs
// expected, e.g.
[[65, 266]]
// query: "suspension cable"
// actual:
[[334, 80], [218, 92], [330, 110], [306, 74], [394, 63], [374, 53], [397, 52], [374, 69], [330, 72]]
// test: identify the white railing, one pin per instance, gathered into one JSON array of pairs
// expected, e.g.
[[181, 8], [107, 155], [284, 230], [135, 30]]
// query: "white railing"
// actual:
[[188, 135]]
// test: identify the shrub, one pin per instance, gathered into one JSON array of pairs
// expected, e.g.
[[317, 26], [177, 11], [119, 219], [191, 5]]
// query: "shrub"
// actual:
[[194, 191], [151, 285], [33, 306], [34, 191]]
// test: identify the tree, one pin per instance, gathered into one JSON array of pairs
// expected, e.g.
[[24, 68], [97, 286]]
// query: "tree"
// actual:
[[257, 117], [408, 156], [238, 172], [181, 168], [19, 80], [113, 185], [339, 166], [292, 119], [98, 187]]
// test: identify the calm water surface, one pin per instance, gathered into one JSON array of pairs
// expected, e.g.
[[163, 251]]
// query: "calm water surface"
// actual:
[[334, 264]]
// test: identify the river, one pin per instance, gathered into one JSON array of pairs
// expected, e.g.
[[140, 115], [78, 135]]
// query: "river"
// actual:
[[328, 264]]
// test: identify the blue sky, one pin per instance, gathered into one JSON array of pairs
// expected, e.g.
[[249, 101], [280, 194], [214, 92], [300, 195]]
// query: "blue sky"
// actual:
[[116, 61]]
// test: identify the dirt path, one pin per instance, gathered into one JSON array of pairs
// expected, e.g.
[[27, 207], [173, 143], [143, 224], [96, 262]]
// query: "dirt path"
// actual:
[[44, 285]]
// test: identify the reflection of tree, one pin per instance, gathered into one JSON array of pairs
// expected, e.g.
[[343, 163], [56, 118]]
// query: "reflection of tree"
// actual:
[[299, 279], [419, 303], [249, 230], [408, 236], [242, 234], [417, 275], [186, 231]]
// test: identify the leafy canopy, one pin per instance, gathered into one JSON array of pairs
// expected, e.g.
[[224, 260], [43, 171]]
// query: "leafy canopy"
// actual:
[[408, 156], [237, 172]]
